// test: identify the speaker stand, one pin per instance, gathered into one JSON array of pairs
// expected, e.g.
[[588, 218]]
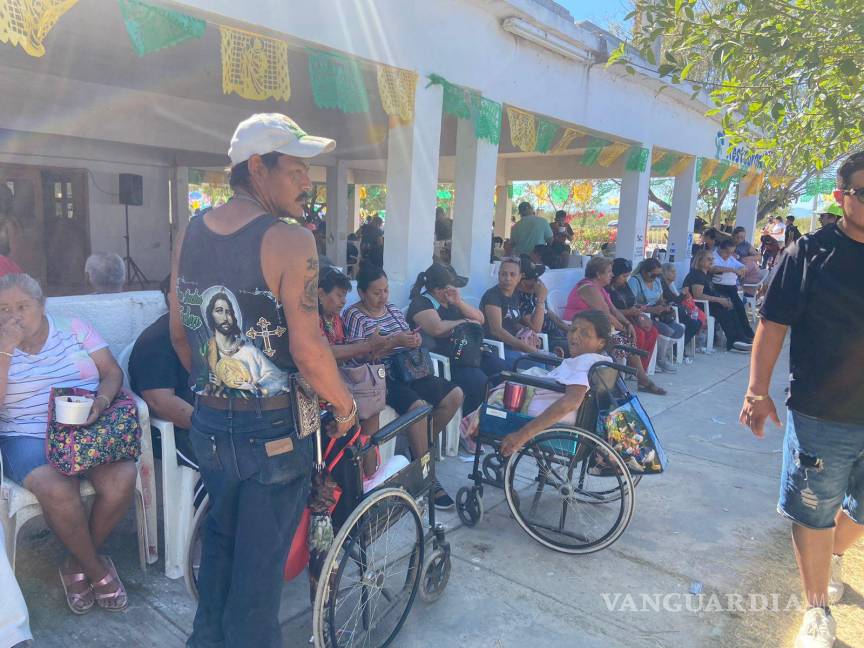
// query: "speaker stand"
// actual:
[[133, 272]]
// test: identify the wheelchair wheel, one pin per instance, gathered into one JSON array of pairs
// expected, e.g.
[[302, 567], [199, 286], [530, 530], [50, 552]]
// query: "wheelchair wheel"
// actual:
[[371, 574], [469, 505], [559, 501], [193, 549], [435, 575]]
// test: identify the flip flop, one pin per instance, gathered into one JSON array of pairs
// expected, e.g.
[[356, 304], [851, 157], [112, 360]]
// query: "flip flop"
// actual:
[[115, 601], [78, 602], [652, 388]]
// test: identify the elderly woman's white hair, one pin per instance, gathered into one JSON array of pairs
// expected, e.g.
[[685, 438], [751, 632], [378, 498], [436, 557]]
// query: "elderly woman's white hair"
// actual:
[[25, 283], [666, 268], [106, 272]]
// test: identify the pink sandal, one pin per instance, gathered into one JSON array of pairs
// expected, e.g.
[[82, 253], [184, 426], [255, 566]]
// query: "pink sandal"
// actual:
[[115, 601], [78, 602]]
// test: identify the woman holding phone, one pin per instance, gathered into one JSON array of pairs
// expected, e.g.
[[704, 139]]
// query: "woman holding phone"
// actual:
[[374, 314]]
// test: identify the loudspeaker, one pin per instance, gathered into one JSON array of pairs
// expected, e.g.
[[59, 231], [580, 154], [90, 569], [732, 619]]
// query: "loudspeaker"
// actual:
[[131, 189]]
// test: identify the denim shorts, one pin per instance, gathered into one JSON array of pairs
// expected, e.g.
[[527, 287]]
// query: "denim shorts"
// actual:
[[21, 455], [823, 469]]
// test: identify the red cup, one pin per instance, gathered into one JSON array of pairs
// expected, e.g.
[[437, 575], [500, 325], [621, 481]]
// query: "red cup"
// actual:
[[514, 396]]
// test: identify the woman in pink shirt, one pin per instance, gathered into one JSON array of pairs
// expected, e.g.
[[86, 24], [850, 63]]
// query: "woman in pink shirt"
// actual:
[[590, 294]]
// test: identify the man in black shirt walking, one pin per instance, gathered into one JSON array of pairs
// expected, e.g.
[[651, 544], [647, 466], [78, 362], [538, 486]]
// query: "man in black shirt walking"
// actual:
[[817, 292]]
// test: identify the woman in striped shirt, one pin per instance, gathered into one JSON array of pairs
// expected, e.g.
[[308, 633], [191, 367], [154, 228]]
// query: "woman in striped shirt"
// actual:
[[372, 315], [38, 352]]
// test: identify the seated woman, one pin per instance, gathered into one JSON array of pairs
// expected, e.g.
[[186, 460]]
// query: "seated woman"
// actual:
[[500, 307], [38, 352], [727, 271], [373, 315], [673, 296], [698, 283], [333, 289], [646, 287], [591, 294], [536, 314], [589, 337], [437, 308]]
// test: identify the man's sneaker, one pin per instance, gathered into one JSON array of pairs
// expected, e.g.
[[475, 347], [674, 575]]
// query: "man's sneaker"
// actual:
[[742, 346], [836, 588], [443, 502], [818, 630]]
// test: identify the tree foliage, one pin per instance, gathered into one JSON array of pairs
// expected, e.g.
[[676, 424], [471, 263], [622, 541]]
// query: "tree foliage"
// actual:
[[784, 74]]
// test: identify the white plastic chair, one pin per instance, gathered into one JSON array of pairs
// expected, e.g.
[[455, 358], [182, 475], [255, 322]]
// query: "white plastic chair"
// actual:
[[703, 304], [178, 489], [498, 345], [450, 447], [557, 301], [18, 505]]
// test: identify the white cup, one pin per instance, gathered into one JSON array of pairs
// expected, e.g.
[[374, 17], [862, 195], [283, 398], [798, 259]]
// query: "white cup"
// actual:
[[72, 410]]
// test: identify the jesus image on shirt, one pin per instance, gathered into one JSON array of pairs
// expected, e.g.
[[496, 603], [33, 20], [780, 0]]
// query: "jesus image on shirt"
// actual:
[[234, 360]]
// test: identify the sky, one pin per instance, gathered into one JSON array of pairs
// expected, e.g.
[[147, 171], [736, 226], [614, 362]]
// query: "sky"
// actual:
[[600, 12]]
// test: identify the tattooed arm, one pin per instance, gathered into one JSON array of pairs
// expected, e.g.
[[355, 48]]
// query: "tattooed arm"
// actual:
[[290, 264]]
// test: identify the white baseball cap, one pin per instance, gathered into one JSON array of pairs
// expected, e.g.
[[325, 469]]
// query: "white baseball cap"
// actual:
[[267, 132]]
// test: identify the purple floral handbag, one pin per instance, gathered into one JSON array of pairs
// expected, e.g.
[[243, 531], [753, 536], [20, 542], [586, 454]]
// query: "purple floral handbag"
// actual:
[[116, 435]]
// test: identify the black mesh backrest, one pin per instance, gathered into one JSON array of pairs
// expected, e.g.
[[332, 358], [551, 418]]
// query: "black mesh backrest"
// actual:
[[603, 380]]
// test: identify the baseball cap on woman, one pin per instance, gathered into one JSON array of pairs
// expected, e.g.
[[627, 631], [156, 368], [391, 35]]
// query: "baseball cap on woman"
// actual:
[[265, 133]]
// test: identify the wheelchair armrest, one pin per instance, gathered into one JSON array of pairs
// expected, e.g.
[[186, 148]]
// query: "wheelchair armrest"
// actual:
[[543, 358], [533, 381], [631, 350], [396, 426]]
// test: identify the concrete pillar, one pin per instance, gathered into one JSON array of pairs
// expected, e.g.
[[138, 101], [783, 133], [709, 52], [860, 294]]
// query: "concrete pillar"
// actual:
[[412, 183], [179, 202], [633, 213], [476, 164], [337, 212], [354, 209], [746, 211], [503, 209], [684, 197]]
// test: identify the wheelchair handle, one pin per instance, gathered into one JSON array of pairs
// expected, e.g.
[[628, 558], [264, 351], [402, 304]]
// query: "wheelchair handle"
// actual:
[[533, 381], [631, 350], [398, 425], [544, 358]]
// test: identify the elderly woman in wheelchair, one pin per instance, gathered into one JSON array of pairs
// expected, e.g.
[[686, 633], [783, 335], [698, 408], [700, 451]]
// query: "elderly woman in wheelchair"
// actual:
[[565, 445]]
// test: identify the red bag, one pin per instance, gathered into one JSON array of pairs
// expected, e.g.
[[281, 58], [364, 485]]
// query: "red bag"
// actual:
[[695, 312]]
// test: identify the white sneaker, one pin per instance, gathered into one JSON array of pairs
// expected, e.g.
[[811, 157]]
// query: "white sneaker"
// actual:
[[836, 588], [818, 630]]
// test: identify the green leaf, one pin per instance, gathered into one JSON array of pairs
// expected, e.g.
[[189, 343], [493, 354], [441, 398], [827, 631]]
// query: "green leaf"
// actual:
[[665, 69], [848, 67]]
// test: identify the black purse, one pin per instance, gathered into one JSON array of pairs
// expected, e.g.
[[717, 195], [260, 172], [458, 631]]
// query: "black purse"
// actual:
[[464, 345], [409, 365]]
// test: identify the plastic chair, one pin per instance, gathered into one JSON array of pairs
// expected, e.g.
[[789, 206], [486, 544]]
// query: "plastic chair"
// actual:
[[178, 489], [450, 447], [703, 304], [18, 505], [557, 301], [498, 345]]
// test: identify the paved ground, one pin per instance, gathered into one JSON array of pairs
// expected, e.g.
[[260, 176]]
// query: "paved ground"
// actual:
[[710, 519]]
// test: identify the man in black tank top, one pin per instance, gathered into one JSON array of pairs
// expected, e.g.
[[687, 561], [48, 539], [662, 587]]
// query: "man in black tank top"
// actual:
[[244, 317]]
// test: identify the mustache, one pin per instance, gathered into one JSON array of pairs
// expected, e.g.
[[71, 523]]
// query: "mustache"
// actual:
[[303, 196]]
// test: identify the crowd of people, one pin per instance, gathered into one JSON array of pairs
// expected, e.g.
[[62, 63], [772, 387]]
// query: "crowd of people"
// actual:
[[227, 392]]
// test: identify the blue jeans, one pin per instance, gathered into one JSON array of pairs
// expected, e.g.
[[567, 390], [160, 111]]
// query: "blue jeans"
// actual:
[[256, 500], [823, 469]]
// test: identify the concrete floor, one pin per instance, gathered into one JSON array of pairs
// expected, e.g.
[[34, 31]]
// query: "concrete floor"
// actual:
[[710, 519]]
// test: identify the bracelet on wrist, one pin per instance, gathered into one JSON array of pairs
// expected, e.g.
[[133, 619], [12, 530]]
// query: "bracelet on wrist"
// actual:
[[351, 414], [104, 397], [754, 398]]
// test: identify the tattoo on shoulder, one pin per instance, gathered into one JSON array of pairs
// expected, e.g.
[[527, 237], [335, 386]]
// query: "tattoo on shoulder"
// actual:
[[309, 297]]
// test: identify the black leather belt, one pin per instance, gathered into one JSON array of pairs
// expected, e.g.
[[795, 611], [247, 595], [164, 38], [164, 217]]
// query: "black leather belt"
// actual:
[[283, 401]]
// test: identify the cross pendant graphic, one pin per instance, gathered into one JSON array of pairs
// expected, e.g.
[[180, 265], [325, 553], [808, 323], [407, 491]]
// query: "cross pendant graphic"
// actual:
[[265, 333]]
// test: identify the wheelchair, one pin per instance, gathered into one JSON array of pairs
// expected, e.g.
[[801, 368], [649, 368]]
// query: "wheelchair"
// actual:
[[381, 557], [568, 488]]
